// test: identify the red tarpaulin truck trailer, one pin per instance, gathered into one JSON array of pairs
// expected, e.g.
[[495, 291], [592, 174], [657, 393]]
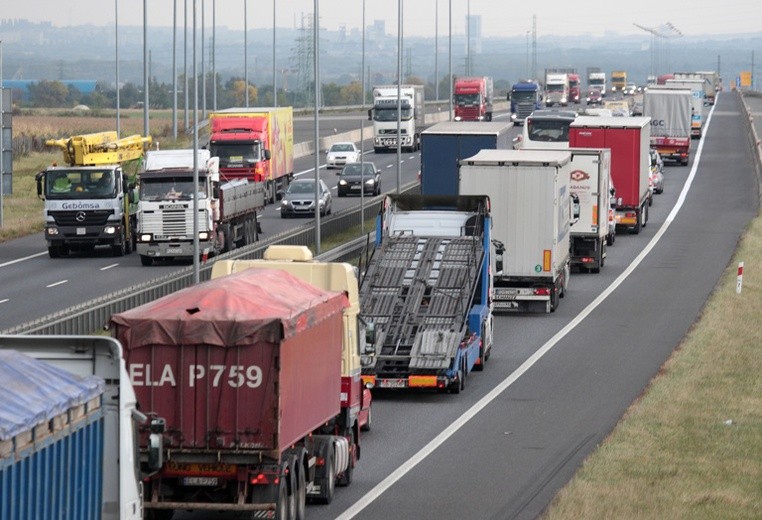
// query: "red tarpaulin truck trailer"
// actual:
[[629, 141], [241, 376], [256, 144]]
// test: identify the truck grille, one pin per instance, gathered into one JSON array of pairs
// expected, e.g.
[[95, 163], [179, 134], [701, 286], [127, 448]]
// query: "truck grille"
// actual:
[[170, 223], [524, 110], [94, 217]]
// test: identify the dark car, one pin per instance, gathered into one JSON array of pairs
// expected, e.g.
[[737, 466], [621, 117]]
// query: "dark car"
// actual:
[[299, 199], [594, 97], [351, 180]]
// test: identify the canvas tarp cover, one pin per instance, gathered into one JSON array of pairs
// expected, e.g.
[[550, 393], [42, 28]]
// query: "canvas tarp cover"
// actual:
[[33, 391], [239, 309]]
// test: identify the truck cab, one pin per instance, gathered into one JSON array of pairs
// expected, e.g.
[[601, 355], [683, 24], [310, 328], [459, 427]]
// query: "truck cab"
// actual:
[[525, 98], [472, 98], [384, 117]]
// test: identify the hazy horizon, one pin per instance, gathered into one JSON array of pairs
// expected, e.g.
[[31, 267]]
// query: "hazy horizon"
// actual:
[[700, 17]]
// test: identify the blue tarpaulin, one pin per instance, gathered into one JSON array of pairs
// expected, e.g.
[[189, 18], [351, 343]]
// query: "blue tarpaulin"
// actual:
[[32, 391]]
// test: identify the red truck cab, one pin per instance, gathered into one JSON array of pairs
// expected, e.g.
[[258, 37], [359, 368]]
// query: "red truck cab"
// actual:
[[472, 98]]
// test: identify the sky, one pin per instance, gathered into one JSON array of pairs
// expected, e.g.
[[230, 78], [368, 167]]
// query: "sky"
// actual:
[[499, 17]]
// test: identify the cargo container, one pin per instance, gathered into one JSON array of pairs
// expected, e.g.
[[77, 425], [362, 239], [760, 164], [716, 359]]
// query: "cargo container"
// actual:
[[245, 373], [532, 211], [256, 144], [698, 88], [51, 441], [590, 175], [629, 139], [85, 358], [444, 144], [670, 113]]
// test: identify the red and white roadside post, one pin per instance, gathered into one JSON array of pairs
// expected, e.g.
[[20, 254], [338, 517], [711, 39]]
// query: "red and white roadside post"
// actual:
[[739, 279]]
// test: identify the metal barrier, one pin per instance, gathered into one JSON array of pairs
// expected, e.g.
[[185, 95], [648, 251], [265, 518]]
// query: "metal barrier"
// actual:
[[754, 140], [93, 315]]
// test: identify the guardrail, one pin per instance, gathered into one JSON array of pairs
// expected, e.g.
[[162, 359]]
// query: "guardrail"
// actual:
[[91, 316], [753, 137]]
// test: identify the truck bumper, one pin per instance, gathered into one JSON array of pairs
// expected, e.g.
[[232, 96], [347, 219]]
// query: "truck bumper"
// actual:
[[535, 298], [171, 249], [83, 235]]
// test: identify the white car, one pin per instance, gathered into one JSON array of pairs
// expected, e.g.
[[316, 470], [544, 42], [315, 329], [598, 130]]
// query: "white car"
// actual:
[[340, 154]]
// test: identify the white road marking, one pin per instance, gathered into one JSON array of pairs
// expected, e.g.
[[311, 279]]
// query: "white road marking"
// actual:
[[109, 267], [440, 439], [23, 259], [57, 283], [5, 300]]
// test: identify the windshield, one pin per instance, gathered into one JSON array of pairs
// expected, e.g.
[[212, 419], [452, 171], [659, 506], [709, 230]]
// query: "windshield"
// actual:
[[236, 154], [467, 99], [555, 88], [522, 96], [302, 187], [548, 130], [171, 188], [79, 184], [594, 81], [573, 83], [342, 148], [390, 114], [368, 170]]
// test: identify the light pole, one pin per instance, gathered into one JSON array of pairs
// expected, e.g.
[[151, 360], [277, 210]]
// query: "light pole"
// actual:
[[174, 70], [449, 65], [203, 60], [436, 48], [185, 62], [316, 79], [246, 53], [146, 128], [196, 244], [214, 54], [399, 94], [116, 67], [2, 141], [275, 84]]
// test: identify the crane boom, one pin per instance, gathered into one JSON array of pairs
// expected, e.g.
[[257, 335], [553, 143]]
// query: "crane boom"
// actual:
[[100, 148]]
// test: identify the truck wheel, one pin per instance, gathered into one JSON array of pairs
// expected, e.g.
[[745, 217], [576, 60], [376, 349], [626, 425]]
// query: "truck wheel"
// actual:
[[610, 238], [281, 506], [120, 249], [300, 490], [160, 514], [645, 215], [55, 251], [345, 478], [366, 427], [146, 260], [554, 299], [328, 487]]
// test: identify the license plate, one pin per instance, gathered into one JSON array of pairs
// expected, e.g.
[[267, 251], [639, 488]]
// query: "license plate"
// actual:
[[81, 231], [391, 383], [201, 481], [174, 250], [355, 188], [505, 305]]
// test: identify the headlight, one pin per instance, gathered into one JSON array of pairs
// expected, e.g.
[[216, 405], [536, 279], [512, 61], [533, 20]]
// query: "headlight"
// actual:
[[51, 231], [284, 202], [370, 182], [109, 230], [342, 182], [203, 235], [563, 100], [146, 237]]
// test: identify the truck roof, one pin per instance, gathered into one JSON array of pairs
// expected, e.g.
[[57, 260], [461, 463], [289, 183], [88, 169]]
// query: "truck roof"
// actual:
[[239, 309], [248, 110], [611, 122], [159, 159], [548, 157], [468, 127]]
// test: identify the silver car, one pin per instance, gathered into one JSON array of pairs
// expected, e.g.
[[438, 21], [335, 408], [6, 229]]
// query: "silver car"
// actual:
[[657, 172], [299, 199]]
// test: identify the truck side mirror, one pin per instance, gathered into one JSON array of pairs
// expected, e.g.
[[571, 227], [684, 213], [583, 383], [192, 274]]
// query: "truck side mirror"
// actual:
[[267, 155], [156, 444], [499, 250], [370, 338], [370, 114], [39, 178]]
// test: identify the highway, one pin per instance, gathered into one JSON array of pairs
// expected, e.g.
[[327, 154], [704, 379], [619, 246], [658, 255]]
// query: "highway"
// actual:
[[555, 385]]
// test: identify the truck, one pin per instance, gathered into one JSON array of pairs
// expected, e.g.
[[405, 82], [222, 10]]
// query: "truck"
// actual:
[[546, 129], [590, 181], [708, 82], [525, 97], [384, 116], [714, 79], [472, 98], [100, 419], [427, 290], [575, 88], [618, 80], [670, 113], [256, 144], [356, 398], [697, 88], [446, 143], [243, 374], [629, 139], [90, 201], [556, 89], [597, 80], [533, 210], [227, 211]]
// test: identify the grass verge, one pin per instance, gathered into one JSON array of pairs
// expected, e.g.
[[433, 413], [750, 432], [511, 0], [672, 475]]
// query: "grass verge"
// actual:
[[691, 446]]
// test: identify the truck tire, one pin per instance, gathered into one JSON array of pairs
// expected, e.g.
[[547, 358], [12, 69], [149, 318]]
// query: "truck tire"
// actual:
[[120, 248], [55, 251], [367, 426], [345, 478], [282, 505], [645, 218], [160, 514], [146, 260], [299, 489], [328, 487]]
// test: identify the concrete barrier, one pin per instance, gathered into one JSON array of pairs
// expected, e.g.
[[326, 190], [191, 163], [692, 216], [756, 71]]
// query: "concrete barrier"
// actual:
[[307, 148]]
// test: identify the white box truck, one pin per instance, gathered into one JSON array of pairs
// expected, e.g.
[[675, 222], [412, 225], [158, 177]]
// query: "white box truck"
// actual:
[[532, 212], [384, 117], [590, 181]]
